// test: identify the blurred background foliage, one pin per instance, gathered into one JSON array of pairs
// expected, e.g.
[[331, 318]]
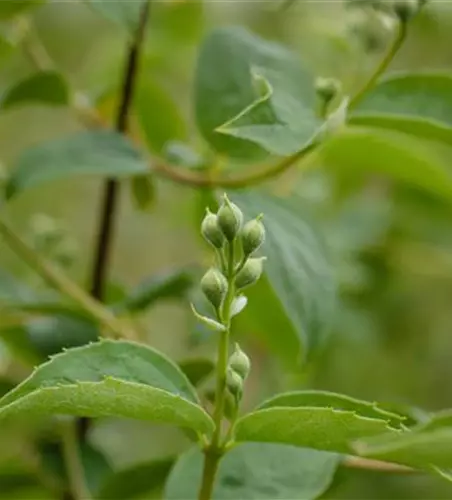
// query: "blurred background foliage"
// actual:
[[390, 241]]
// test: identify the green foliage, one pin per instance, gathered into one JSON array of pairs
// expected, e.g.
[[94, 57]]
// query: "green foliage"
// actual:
[[298, 270], [125, 14], [44, 88], [109, 379], [10, 9], [324, 429], [88, 153], [255, 470], [232, 66]]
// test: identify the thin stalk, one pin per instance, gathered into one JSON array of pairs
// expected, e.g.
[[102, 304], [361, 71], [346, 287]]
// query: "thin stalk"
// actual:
[[63, 284], [214, 451], [383, 66], [74, 466]]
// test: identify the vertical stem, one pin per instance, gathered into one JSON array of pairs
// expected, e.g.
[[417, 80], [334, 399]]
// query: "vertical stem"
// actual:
[[214, 452], [74, 466], [111, 188]]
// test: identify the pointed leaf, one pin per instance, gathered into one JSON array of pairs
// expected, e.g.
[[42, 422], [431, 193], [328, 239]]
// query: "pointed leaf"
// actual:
[[319, 428], [420, 104], [257, 471], [143, 192], [297, 269], [101, 153], [46, 88], [331, 400], [231, 69], [109, 379]]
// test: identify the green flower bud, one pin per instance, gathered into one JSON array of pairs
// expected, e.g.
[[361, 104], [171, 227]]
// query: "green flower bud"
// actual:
[[240, 363], [215, 286], [406, 9], [253, 235], [327, 88], [234, 383], [230, 219], [211, 230], [250, 272]]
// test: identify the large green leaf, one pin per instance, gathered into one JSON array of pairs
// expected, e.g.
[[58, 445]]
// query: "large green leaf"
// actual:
[[358, 152], [136, 481], [125, 14], [257, 471], [331, 400], [416, 103], [12, 8], [159, 116], [255, 90], [423, 449], [297, 268], [319, 428], [122, 379], [101, 153], [46, 88]]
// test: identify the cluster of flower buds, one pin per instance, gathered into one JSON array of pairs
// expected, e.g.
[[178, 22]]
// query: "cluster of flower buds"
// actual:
[[223, 230], [239, 368]]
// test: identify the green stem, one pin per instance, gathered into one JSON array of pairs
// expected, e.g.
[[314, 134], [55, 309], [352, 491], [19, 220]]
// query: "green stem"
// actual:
[[383, 66], [74, 466], [63, 284], [214, 450]]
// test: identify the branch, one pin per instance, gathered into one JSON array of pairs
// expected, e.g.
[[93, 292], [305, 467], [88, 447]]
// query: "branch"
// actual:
[[383, 66], [63, 284], [376, 465]]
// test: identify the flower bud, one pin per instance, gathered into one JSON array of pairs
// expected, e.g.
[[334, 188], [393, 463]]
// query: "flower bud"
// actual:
[[327, 88], [215, 286], [211, 230], [406, 9], [240, 363], [230, 219], [250, 272], [234, 383], [253, 235]]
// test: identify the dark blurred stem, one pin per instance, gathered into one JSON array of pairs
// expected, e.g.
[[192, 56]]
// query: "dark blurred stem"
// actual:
[[111, 189]]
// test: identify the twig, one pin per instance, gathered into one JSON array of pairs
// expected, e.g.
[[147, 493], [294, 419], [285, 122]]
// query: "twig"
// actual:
[[376, 465]]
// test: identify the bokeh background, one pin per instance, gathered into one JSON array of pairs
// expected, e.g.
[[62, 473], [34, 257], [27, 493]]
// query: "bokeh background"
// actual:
[[390, 243]]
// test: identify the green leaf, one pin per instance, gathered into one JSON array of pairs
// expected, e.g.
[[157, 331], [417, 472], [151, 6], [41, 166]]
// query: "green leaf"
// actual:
[[39, 338], [423, 449], [45, 87], [167, 285], [257, 471], [297, 268], [170, 21], [101, 153], [197, 370], [121, 379], [158, 115], [255, 90], [356, 152], [136, 481], [9, 9], [420, 104], [331, 400], [125, 14], [143, 191], [325, 429], [6, 47]]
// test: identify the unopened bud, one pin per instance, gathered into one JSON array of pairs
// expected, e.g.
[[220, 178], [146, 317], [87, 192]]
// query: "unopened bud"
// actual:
[[327, 88], [253, 235], [234, 383], [211, 230], [406, 9], [230, 219], [215, 286], [250, 272], [240, 363]]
